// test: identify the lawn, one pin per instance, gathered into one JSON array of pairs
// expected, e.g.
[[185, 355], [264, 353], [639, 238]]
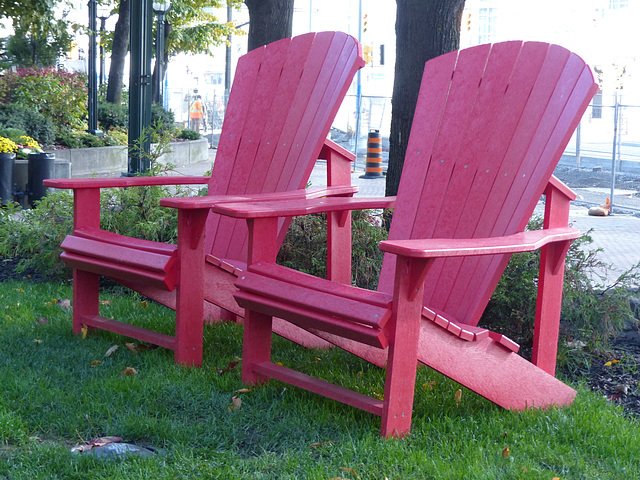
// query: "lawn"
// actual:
[[58, 390]]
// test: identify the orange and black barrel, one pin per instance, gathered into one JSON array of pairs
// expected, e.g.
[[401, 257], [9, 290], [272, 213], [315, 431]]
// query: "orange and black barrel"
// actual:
[[373, 167]]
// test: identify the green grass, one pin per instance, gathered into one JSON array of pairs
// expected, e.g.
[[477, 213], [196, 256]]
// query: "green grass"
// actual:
[[51, 397]]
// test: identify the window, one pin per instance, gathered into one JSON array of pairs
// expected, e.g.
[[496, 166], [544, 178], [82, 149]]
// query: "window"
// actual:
[[487, 25], [618, 4]]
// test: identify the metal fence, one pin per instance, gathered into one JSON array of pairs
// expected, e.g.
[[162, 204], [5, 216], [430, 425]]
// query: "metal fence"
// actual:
[[602, 159]]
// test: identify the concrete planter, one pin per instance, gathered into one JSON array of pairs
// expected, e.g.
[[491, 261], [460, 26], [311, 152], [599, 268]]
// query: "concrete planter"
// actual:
[[85, 162], [108, 161]]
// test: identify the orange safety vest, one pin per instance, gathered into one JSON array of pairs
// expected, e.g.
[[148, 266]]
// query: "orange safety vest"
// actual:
[[196, 110]]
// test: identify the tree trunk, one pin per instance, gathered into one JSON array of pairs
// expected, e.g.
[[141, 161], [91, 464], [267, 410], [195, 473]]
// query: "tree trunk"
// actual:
[[269, 20], [424, 30], [119, 53]]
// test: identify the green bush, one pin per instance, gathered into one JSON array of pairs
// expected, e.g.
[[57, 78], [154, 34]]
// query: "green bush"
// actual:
[[189, 135], [59, 95], [591, 312], [305, 247], [29, 121], [111, 115], [162, 119]]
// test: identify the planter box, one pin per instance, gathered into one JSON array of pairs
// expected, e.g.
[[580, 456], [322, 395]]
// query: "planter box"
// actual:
[[104, 161]]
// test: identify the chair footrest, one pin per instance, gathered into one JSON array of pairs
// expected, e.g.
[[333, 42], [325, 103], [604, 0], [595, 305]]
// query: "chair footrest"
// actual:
[[321, 387], [132, 331]]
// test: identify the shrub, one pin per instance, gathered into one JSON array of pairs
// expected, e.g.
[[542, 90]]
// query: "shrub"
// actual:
[[29, 122], [163, 119], [111, 115], [189, 134], [305, 247], [593, 313], [57, 94]]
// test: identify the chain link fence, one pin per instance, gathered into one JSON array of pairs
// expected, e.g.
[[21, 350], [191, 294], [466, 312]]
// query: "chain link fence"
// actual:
[[602, 159]]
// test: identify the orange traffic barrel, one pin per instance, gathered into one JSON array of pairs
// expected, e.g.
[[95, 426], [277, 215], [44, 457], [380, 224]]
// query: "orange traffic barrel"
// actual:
[[373, 167]]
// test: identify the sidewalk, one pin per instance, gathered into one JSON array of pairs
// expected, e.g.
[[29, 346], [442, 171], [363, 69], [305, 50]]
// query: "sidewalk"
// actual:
[[617, 235]]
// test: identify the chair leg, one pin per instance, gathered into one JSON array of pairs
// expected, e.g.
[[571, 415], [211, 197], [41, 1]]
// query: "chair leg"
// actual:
[[256, 345], [399, 388], [189, 325], [86, 295]]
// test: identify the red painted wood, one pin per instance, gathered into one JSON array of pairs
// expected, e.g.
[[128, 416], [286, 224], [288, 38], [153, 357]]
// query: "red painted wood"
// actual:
[[439, 247], [291, 208], [283, 101], [190, 291], [121, 182], [294, 277], [404, 334], [547, 320], [320, 387], [490, 126], [312, 321], [318, 301], [131, 331], [119, 255]]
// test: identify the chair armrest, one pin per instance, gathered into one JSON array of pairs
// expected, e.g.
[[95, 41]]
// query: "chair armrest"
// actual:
[[444, 247], [331, 148], [87, 183], [298, 207], [211, 200]]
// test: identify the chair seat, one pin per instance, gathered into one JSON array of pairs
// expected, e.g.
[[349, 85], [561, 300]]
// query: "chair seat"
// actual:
[[98, 251]]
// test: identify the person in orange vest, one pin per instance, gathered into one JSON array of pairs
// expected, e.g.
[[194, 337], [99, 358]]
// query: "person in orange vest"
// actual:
[[196, 113]]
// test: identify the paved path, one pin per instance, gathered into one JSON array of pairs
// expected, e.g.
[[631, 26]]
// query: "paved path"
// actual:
[[617, 235]]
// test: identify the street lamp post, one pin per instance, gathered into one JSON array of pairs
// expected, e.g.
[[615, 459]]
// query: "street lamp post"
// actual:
[[92, 104], [102, 15], [160, 9]]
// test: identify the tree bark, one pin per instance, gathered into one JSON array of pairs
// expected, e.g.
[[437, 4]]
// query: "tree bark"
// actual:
[[269, 20], [119, 53], [424, 30]]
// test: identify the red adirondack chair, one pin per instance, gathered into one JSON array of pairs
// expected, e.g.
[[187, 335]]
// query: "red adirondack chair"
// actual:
[[283, 101], [490, 125]]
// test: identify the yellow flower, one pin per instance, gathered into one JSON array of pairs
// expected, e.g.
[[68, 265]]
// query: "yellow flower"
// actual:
[[7, 146]]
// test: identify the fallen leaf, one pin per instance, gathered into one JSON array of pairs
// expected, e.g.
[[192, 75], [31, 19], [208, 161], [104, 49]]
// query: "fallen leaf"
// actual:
[[111, 351], [322, 444], [143, 304], [505, 452], [555, 478], [318, 359], [132, 347], [84, 330], [102, 441], [129, 371], [377, 395], [236, 403], [66, 303], [230, 367], [95, 363], [524, 469], [458, 396], [242, 390], [611, 363], [349, 470], [429, 385], [279, 363], [41, 321], [37, 341], [105, 302], [21, 290]]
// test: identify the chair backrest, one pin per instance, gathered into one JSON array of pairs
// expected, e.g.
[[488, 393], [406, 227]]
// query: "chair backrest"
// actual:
[[490, 126], [284, 98]]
